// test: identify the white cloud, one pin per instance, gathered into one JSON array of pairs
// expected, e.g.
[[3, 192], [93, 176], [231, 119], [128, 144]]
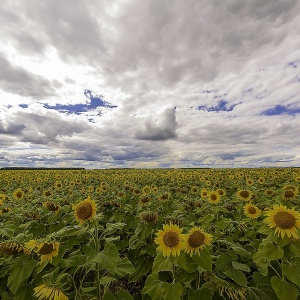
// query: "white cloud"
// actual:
[[147, 57]]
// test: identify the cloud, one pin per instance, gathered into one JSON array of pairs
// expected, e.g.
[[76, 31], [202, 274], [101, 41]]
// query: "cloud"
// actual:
[[159, 130], [17, 80]]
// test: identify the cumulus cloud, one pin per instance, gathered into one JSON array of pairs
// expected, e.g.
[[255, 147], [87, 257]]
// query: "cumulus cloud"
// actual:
[[230, 68], [158, 130]]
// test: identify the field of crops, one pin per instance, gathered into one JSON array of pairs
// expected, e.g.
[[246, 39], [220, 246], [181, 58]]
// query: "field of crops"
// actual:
[[150, 234]]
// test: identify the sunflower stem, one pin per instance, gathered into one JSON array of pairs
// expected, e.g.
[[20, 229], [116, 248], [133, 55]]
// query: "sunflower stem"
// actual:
[[97, 248]]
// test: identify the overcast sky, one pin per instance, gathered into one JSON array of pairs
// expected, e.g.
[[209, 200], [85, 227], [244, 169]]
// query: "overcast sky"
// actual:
[[152, 83]]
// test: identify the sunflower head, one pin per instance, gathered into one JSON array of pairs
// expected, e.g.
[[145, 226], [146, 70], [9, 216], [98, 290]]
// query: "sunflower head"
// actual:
[[149, 217], [289, 194], [170, 240], [244, 195], [47, 292], [251, 211], [51, 206], [85, 210], [18, 194], [213, 197], [195, 240], [285, 221]]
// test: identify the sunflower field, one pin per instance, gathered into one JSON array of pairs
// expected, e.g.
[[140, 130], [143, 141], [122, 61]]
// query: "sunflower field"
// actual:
[[150, 234]]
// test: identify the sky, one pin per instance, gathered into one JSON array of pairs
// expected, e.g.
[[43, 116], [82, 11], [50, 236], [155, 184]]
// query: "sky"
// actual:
[[149, 84]]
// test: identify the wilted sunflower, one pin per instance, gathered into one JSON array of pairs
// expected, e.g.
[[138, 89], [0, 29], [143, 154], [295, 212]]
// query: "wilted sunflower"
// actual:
[[85, 210], [18, 194], [47, 250], [196, 240], [251, 211], [285, 221], [170, 240], [149, 217], [12, 248], [213, 197], [51, 206], [46, 292], [244, 195]]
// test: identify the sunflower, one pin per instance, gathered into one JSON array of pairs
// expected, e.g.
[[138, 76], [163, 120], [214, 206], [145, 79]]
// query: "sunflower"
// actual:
[[285, 221], [170, 240], [146, 189], [261, 180], [251, 211], [213, 197], [249, 181], [46, 292], [149, 217], [51, 206], [289, 194], [18, 194], [2, 198], [12, 248], [204, 193], [85, 210], [47, 250], [244, 195], [196, 240]]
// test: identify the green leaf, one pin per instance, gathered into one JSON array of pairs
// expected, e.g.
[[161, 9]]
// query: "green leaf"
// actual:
[[162, 263], [295, 249], [153, 286], [292, 272], [237, 276], [124, 295], [70, 231], [204, 260], [263, 283], [257, 294], [108, 258], [8, 230], [284, 290], [273, 252], [106, 280], [143, 266], [124, 266], [239, 266], [109, 296], [171, 291], [224, 262], [265, 229], [19, 273]]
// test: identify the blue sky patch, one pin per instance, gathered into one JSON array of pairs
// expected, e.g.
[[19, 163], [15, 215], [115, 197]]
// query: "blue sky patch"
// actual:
[[95, 102], [221, 106], [280, 110]]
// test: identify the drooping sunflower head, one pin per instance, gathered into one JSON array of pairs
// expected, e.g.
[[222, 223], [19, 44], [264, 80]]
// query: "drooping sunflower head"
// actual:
[[12, 248], [47, 193], [85, 210], [165, 196], [244, 194], [170, 240], [47, 250], [285, 221], [251, 211], [47, 292], [144, 199], [195, 240], [51, 206], [213, 197], [149, 217]]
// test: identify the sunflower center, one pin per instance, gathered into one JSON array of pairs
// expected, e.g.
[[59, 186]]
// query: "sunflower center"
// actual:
[[251, 210], [84, 211], [196, 239], [213, 197], [244, 194], [289, 194], [46, 249], [171, 239], [19, 194], [284, 220]]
